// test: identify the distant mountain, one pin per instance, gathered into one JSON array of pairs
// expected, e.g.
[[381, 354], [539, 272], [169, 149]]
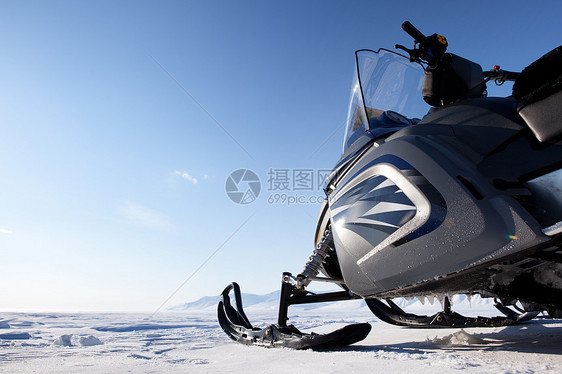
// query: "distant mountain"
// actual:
[[211, 302], [201, 304]]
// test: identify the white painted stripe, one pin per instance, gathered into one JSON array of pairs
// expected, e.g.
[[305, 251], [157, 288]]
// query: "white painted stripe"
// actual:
[[385, 207]]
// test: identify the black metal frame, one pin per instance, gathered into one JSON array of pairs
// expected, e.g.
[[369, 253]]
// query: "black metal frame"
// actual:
[[393, 314], [290, 295], [237, 326]]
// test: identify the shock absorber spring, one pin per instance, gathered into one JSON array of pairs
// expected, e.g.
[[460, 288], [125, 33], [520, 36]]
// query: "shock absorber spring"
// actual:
[[312, 267]]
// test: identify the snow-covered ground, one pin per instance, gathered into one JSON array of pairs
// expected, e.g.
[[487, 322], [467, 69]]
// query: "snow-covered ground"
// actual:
[[191, 341]]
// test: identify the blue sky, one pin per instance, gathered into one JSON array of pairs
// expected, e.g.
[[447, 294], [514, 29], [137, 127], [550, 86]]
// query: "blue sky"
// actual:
[[109, 112]]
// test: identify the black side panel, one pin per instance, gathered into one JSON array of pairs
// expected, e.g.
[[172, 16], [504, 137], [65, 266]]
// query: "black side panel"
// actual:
[[522, 159]]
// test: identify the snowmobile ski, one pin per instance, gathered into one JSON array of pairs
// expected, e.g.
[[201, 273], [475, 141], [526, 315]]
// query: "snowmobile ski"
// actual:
[[393, 314], [234, 322]]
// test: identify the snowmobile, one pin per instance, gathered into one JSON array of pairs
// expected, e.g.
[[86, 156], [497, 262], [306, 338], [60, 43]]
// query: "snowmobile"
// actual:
[[440, 190]]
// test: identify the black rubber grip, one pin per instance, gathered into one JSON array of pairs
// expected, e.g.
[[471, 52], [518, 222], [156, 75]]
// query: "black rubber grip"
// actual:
[[415, 33]]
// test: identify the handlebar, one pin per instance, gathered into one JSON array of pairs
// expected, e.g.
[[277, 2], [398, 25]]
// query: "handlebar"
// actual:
[[453, 72], [426, 48], [432, 48], [500, 75], [416, 34]]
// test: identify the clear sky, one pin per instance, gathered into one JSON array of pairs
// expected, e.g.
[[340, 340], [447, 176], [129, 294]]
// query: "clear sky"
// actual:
[[120, 122]]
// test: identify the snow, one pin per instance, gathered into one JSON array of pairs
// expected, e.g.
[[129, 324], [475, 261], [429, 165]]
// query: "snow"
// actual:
[[191, 341], [458, 338], [88, 341], [64, 341]]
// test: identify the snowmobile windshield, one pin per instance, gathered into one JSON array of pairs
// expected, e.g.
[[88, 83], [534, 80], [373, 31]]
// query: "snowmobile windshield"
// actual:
[[386, 95]]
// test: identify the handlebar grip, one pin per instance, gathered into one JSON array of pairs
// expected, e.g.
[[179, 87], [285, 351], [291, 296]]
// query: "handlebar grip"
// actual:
[[415, 33]]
